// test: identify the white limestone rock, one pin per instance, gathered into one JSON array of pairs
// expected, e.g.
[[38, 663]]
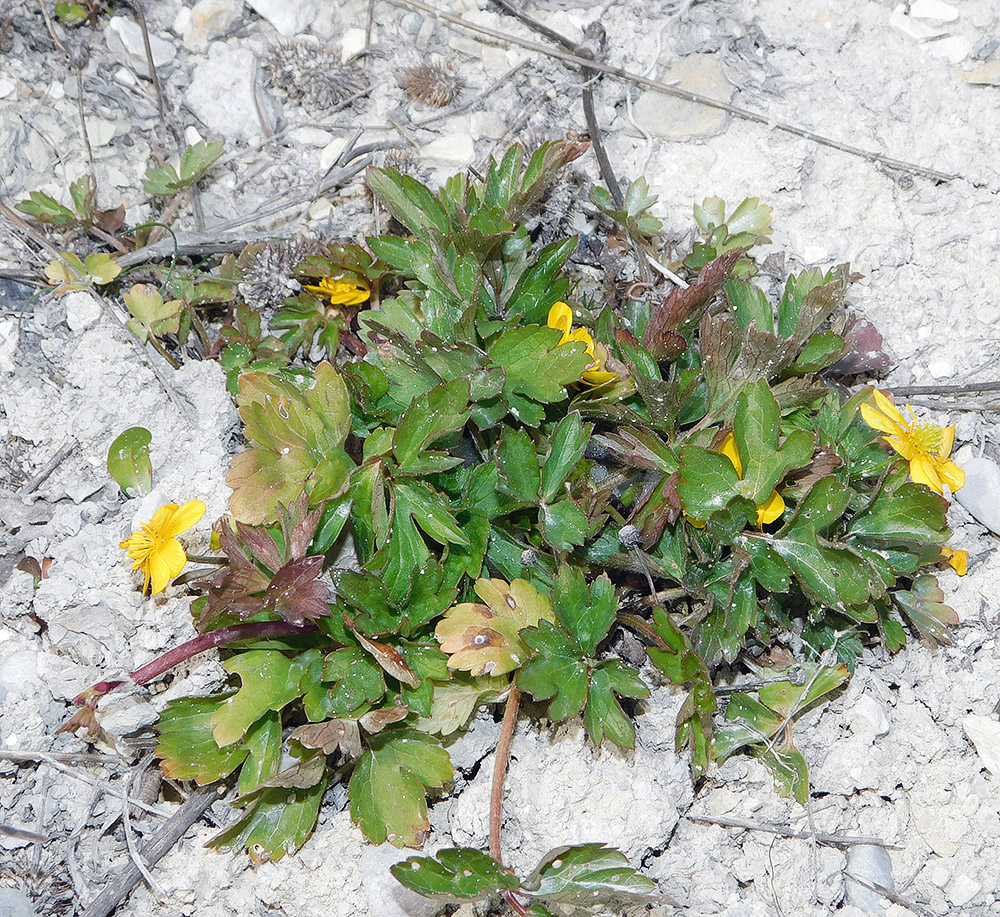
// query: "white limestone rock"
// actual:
[[125, 42], [289, 17], [221, 94]]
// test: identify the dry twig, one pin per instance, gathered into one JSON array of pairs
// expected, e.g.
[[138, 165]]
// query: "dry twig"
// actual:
[[169, 834], [829, 840]]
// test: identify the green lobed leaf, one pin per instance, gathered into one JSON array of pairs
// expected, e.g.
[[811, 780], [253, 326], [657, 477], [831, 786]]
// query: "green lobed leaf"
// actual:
[[154, 316], [440, 411], [756, 427], [788, 768], [355, 681], [517, 463], [269, 681], [263, 742], [409, 201], [540, 287], [679, 662], [557, 672], [46, 209], [721, 635], [567, 444], [835, 576], [429, 509], [587, 612], [455, 700], [910, 515], [923, 604], [587, 875], [278, 823], [708, 481], [563, 524], [536, 366], [386, 791], [455, 874], [813, 682], [603, 716], [186, 745], [197, 159], [750, 305]]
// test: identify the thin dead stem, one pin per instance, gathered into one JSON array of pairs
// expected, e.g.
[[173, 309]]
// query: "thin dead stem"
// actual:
[[500, 770], [828, 840]]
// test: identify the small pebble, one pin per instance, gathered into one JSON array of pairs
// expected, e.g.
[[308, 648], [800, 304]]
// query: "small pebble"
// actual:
[[981, 493], [963, 889], [984, 732], [871, 862]]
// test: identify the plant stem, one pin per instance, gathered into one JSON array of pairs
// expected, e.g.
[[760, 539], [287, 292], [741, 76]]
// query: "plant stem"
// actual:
[[500, 769], [258, 630], [161, 350], [643, 627]]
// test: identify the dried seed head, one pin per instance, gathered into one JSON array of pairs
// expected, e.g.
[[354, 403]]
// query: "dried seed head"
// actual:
[[432, 84], [267, 279], [630, 537], [45, 881], [313, 73]]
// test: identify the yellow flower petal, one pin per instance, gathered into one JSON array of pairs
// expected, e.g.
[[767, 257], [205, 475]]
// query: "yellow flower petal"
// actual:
[[597, 377], [958, 560], [581, 336], [770, 509], [561, 318], [902, 444], [165, 564], [878, 421], [886, 406], [952, 475], [181, 519], [947, 441], [342, 291], [923, 471], [729, 450]]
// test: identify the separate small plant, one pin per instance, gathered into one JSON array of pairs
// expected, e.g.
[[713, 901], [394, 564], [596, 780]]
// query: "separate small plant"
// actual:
[[196, 160], [314, 74], [521, 480], [434, 84]]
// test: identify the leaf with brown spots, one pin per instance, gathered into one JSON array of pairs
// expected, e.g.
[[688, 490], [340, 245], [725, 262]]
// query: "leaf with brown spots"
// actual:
[[484, 639]]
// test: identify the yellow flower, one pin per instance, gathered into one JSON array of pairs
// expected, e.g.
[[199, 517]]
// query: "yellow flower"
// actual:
[[561, 319], [925, 446], [155, 548], [958, 560], [345, 290], [773, 506]]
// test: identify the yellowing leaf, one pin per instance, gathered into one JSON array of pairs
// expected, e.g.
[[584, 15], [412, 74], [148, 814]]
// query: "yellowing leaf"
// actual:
[[483, 639]]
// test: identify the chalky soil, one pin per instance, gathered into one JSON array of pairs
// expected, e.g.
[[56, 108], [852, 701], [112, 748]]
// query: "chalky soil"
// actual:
[[906, 755]]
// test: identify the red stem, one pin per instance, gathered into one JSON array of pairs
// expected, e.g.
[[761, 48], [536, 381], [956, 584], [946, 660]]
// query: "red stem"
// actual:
[[500, 769], [257, 630]]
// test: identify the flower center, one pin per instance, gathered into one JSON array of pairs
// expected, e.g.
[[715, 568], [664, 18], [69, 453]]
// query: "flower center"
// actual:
[[926, 438]]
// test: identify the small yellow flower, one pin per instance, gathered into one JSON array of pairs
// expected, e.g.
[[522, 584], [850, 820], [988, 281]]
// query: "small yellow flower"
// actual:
[[561, 319], [345, 290], [957, 560], [155, 548], [925, 446], [773, 506]]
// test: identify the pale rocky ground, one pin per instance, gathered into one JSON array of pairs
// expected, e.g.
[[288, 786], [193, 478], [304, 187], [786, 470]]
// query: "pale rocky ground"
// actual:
[[892, 757]]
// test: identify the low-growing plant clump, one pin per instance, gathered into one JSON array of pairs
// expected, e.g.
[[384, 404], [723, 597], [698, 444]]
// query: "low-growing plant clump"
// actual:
[[469, 471]]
